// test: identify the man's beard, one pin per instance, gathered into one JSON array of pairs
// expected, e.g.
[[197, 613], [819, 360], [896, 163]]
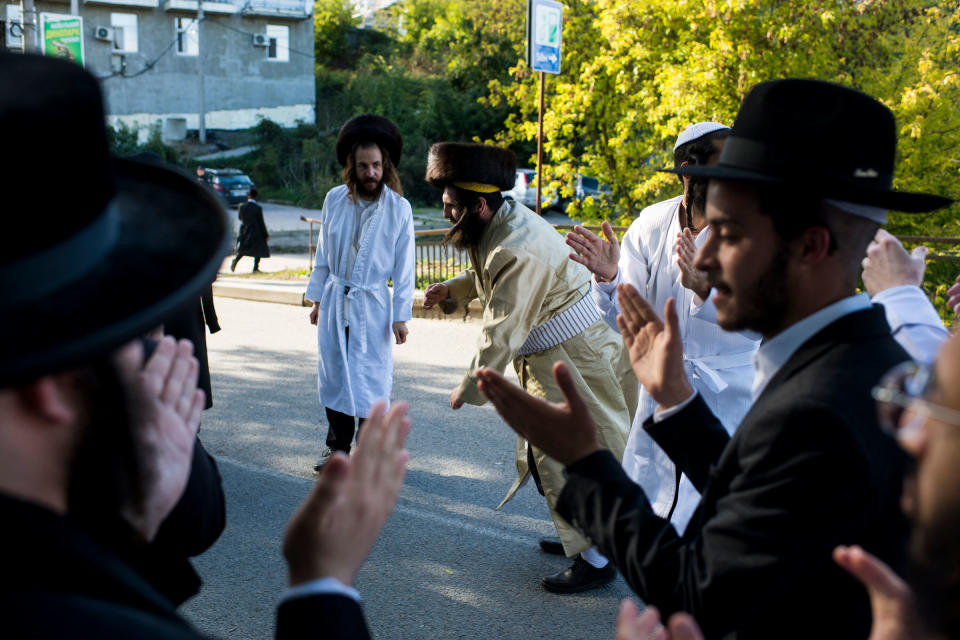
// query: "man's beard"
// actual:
[[467, 231], [369, 193], [763, 308], [107, 471]]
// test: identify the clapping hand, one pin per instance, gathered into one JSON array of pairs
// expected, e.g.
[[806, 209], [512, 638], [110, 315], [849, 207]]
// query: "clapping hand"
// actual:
[[890, 597], [333, 530], [690, 277], [889, 265], [167, 410], [655, 348], [645, 625], [566, 432], [599, 256]]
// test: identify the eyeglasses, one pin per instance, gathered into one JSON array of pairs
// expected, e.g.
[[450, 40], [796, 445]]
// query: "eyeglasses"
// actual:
[[902, 407]]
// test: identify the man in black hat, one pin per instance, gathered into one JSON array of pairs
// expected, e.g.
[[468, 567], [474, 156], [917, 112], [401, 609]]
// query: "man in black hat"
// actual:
[[537, 310], [798, 193], [90, 433], [366, 238]]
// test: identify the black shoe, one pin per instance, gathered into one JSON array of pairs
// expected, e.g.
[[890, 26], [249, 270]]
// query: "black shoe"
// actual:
[[233, 264], [551, 545], [579, 577], [324, 456]]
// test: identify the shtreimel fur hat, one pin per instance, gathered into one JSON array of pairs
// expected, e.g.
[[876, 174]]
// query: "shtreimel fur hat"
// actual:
[[369, 128], [449, 162]]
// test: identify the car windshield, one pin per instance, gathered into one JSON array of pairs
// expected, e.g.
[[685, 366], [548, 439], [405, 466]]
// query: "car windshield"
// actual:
[[590, 183], [235, 181]]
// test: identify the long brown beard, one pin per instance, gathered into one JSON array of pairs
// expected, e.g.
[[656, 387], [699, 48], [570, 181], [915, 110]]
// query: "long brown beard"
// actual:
[[466, 232], [366, 194]]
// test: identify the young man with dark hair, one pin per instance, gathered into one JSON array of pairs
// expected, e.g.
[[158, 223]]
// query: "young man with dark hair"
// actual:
[[799, 191], [366, 239], [537, 310], [655, 257]]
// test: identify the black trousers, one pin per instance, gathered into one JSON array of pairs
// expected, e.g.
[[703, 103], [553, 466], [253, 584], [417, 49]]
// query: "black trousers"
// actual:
[[342, 426]]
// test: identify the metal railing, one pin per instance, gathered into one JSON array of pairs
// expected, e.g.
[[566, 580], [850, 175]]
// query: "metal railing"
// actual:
[[436, 262]]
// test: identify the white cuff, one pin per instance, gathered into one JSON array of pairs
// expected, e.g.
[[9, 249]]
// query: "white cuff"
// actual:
[[659, 415], [608, 288], [319, 586]]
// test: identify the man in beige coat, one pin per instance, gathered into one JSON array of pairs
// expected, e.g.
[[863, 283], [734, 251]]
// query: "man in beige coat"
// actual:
[[537, 311]]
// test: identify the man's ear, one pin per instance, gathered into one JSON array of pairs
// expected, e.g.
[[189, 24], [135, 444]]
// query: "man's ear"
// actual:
[[813, 245], [52, 398]]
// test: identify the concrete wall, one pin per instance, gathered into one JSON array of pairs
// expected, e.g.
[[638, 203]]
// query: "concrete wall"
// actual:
[[240, 82]]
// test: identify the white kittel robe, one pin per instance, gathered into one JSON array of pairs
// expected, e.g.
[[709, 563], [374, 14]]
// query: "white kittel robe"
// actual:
[[718, 363], [352, 380]]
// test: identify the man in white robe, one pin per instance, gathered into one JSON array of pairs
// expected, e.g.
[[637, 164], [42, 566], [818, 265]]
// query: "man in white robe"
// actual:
[[718, 363], [366, 238]]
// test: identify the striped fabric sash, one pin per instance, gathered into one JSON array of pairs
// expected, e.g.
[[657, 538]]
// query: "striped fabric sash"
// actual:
[[561, 327]]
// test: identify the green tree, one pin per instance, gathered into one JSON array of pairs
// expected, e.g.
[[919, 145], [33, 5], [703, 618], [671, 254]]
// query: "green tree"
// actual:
[[636, 72], [332, 22]]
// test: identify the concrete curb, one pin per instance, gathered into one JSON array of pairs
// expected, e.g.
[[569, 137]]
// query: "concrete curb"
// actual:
[[287, 292]]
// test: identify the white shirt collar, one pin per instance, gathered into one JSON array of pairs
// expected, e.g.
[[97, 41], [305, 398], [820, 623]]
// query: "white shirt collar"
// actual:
[[775, 352]]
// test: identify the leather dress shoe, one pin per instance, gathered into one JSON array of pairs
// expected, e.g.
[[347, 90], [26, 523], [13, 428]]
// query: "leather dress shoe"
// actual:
[[582, 576], [551, 545]]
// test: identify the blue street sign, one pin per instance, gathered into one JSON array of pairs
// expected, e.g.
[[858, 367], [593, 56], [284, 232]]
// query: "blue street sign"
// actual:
[[544, 31]]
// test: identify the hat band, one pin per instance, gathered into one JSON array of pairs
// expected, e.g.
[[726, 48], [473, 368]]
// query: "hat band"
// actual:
[[745, 153], [479, 187], [45, 272]]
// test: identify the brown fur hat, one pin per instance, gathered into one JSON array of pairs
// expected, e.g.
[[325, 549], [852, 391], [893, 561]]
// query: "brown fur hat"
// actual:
[[467, 162], [369, 128]]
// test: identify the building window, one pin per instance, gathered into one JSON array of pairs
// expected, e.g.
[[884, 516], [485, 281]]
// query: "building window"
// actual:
[[188, 41], [279, 38], [124, 32]]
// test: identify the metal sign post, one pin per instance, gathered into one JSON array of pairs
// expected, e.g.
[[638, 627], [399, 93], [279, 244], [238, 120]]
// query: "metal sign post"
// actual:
[[544, 36]]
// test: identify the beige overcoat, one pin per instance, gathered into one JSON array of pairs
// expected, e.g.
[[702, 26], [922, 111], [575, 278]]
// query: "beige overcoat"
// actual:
[[523, 277]]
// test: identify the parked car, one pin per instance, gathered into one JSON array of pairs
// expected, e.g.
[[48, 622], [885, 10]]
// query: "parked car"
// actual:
[[525, 191], [586, 186], [233, 185]]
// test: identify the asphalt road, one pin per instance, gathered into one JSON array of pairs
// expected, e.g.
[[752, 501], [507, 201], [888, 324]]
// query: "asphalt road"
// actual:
[[447, 565]]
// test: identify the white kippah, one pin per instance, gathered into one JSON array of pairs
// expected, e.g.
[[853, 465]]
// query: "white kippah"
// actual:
[[697, 130]]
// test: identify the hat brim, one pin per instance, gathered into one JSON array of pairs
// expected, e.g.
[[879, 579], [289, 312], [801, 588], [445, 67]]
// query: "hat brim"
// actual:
[[171, 240], [885, 198]]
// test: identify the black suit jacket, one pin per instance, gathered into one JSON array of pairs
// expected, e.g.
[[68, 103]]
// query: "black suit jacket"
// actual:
[[57, 583], [807, 469], [252, 238]]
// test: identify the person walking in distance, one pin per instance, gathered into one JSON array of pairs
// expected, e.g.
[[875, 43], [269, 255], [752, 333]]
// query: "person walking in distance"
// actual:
[[366, 238], [253, 236]]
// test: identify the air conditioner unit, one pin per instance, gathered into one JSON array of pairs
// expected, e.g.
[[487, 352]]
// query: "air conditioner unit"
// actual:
[[103, 33], [261, 40]]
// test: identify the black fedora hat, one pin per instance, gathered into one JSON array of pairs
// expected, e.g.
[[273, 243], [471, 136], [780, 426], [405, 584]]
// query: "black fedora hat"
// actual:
[[98, 249], [369, 128], [817, 138]]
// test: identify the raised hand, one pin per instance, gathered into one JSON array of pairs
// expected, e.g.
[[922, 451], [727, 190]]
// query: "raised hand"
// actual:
[[599, 256], [690, 277], [167, 407], [333, 530], [645, 625], [889, 265], [655, 348], [890, 597], [434, 294], [954, 299], [566, 432]]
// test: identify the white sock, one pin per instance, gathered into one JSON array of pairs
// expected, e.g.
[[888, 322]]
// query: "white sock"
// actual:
[[594, 558]]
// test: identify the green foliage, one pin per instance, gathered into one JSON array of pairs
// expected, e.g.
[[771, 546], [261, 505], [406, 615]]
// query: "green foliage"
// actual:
[[332, 23], [636, 72], [424, 65], [125, 141]]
